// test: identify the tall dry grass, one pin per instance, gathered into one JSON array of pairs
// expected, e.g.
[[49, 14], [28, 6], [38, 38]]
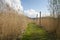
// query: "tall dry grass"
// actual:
[[11, 24], [48, 23]]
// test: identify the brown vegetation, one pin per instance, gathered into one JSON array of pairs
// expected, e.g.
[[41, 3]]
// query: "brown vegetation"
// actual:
[[50, 24], [47, 23], [11, 24]]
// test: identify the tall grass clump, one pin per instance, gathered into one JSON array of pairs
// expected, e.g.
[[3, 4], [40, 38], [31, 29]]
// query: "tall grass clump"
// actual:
[[11, 24]]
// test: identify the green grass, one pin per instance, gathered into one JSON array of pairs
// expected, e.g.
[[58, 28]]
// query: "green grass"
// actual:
[[35, 32], [33, 28]]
